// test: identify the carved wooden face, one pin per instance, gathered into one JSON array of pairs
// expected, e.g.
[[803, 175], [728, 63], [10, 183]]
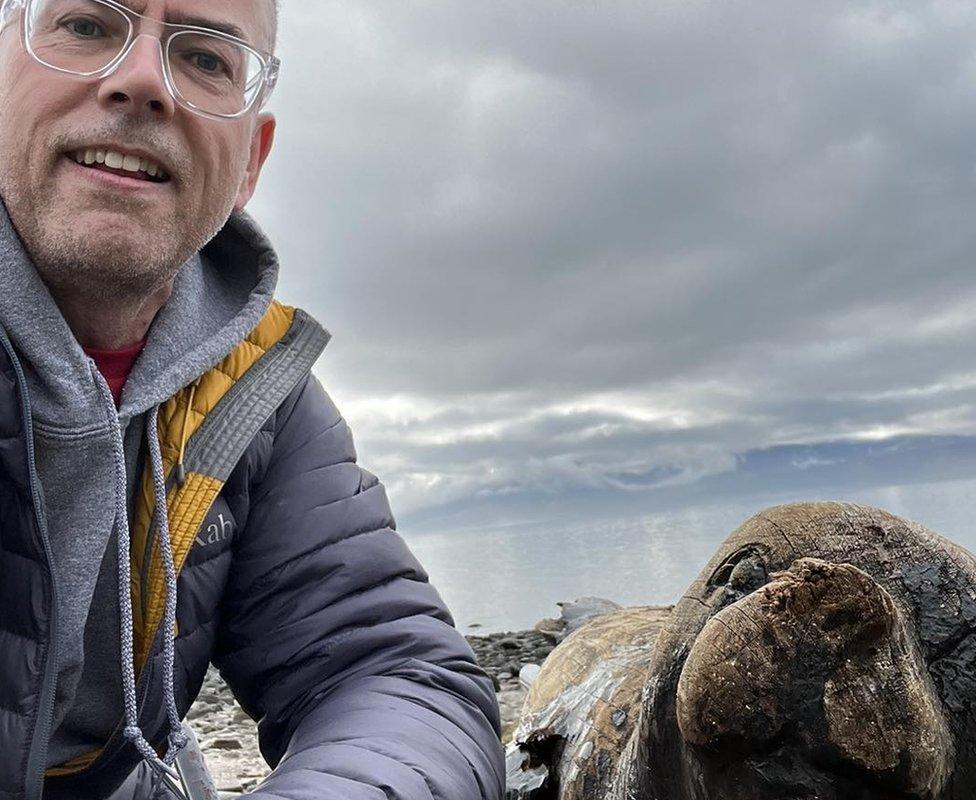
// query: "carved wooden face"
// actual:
[[827, 651]]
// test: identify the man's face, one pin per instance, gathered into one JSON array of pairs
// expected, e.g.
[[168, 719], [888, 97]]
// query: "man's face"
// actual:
[[107, 233]]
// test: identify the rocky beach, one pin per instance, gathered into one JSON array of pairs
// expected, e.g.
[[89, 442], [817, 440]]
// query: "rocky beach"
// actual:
[[228, 737]]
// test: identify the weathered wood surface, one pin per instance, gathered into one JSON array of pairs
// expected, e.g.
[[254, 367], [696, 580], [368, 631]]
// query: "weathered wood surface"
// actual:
[[581, 710], [827, 652]]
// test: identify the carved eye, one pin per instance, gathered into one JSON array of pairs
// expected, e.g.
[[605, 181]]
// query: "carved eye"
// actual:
[[740, 574]]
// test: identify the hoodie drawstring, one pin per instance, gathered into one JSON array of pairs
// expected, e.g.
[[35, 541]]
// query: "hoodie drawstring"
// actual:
[[176, 739], [179, 469]]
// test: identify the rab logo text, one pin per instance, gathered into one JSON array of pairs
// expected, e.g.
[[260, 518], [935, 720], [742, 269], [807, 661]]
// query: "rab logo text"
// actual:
[[218, 531]]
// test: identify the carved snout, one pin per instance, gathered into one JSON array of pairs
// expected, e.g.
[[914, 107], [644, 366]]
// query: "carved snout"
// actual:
[[818, 659]]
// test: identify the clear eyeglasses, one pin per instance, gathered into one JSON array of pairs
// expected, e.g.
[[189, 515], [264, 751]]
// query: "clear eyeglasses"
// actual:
[[209, 72]]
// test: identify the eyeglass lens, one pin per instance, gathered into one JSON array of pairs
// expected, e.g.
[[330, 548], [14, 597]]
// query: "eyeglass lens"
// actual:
[[84, 37]]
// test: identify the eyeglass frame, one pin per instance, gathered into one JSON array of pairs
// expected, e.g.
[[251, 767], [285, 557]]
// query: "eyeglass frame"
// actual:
[[270, 64]]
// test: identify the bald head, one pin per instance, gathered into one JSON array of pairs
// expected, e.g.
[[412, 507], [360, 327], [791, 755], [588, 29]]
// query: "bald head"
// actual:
[[275, 5]]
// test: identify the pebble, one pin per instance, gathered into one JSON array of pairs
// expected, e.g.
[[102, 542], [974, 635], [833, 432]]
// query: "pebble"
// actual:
[[226, 744]]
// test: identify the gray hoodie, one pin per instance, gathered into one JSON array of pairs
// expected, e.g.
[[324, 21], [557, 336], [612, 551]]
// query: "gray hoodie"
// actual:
[[81, 442]]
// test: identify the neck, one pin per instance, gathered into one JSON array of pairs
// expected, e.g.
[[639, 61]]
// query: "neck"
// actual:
[[110, 323]]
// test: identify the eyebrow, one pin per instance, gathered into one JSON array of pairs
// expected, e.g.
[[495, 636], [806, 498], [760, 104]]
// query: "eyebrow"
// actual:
[[182, 18], [179, 18]]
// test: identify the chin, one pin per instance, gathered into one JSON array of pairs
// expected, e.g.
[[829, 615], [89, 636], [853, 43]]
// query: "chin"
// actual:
[[110, 256]]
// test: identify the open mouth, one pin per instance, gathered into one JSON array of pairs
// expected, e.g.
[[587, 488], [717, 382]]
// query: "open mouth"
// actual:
[[122, 164]]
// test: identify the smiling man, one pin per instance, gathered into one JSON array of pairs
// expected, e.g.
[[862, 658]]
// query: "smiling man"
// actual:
[[175, 487]]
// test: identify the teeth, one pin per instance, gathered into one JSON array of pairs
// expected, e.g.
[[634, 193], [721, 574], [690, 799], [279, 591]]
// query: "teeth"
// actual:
[[117, 160]]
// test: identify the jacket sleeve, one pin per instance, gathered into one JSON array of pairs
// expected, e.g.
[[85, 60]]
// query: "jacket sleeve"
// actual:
[[333, 640]]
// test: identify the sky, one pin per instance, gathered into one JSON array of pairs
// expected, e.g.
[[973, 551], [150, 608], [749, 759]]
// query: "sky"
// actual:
[[587, 258]]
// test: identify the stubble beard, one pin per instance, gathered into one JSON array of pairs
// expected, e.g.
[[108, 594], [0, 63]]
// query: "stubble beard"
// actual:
[[120, 263], [123, 260]]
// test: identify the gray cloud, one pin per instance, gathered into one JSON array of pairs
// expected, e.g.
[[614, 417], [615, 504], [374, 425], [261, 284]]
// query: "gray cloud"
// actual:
[[604, 246]]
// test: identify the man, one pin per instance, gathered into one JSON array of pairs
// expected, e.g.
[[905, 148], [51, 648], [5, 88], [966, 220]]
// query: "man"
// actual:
[[174, 486]]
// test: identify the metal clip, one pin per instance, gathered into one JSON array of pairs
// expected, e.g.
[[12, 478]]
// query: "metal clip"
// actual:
[[172, 780], [189, 778]]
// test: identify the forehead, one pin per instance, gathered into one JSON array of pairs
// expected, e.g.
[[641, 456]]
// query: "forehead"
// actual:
[[252, 20]]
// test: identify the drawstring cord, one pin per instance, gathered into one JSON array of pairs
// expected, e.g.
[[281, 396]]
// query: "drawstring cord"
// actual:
[[177, 738], [180, 469]]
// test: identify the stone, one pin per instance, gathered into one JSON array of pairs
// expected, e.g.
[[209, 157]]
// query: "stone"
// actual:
[[225, 744], [582, 610], [552, 629]]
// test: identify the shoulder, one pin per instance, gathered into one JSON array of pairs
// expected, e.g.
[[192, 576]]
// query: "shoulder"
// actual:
[[287, 330], [308, 422], [288, 411], [272, 370]]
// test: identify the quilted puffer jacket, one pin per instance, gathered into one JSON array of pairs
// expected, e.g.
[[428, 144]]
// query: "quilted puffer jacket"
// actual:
[[290, 578]]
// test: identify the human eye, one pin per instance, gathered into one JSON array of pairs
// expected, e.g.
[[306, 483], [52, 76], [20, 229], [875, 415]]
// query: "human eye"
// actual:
[[208, 63], [206, 60], [83, 27]]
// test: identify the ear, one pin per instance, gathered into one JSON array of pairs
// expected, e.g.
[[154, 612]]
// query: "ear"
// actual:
[[261, 141]]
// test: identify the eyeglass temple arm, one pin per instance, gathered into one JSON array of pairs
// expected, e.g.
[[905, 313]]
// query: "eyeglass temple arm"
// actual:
[[7, 8]]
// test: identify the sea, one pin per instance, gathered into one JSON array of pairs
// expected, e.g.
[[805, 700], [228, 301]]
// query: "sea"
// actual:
[[509, 575]]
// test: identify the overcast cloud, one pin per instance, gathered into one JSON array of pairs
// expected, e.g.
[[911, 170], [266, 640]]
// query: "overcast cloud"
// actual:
[[618, 247]]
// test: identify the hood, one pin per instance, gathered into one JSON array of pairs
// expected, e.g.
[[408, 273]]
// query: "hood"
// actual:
[[219, 295]]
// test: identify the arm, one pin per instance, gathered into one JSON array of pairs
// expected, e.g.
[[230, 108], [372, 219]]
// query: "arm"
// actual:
[[332, 638]]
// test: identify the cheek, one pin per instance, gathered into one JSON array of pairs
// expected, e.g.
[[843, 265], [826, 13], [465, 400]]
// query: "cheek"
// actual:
[[17, 117], [30, 108], [226, 166], [13, 105]]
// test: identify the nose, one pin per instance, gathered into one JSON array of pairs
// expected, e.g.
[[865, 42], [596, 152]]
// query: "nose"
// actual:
[[138, 85]]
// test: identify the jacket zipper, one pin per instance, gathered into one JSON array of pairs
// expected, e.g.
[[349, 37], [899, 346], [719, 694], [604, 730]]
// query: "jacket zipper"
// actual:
[[115, 740], [37, 754]]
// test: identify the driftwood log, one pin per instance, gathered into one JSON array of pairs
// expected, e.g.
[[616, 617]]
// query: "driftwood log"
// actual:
[[827, 652]]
